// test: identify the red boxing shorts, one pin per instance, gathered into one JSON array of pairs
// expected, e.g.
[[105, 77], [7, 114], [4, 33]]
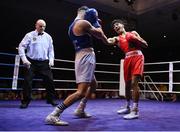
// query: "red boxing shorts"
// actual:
[[133, 64]]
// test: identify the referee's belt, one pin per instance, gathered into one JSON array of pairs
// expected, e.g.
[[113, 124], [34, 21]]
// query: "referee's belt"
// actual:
[[36, 60], [133, 53]]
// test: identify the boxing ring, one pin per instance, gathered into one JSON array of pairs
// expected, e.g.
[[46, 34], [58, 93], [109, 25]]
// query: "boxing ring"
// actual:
[[157, 111]]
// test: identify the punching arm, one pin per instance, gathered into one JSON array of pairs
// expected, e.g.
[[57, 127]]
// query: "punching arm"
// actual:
[[113, 40]]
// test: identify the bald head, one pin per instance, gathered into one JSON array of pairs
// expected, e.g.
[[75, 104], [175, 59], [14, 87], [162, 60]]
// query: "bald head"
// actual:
[[40, 25]]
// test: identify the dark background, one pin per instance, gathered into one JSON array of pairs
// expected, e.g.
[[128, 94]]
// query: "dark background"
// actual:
[[19, 16], [159, 26]]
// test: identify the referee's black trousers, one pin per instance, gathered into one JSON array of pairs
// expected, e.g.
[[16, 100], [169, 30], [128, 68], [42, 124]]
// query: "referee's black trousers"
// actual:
[[41, 68]]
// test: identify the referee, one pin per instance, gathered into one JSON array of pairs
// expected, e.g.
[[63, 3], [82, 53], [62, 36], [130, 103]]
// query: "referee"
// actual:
[[38, 59]]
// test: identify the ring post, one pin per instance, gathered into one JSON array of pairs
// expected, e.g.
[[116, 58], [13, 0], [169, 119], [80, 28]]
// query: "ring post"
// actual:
[[16, 72], [122, 82], [170, 76]]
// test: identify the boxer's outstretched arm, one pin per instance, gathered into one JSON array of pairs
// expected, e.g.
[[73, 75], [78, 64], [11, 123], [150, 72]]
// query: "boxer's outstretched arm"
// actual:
[[113, 40]]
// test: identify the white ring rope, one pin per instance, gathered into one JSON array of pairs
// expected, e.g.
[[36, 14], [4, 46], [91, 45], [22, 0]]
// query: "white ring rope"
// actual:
[[156, 72], [108, 64], [157, 63], [161, 71], [107, 72], [69, 69], [75, 81], [64, 60], [61, 60], [72, 89], [148, 91], [170, 71], [158, 82]]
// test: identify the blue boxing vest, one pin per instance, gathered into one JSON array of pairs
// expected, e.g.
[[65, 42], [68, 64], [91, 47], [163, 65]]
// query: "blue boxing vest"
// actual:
[[79, 42]]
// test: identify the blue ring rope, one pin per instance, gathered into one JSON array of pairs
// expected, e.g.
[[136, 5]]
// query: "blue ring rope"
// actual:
[[3, 53], [5, 64], [10, 78]]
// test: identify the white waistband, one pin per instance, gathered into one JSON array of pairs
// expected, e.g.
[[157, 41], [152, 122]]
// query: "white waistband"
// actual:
[[133, 53], [83, 52]]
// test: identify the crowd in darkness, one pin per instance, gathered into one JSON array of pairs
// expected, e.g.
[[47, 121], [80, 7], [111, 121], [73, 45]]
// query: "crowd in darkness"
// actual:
[[62, 94]]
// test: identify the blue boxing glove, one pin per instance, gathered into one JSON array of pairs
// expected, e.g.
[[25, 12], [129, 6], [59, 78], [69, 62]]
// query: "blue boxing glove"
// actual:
[[91, 15]]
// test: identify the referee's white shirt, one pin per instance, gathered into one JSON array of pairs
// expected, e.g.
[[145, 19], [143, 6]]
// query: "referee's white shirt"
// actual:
[[39, 47]]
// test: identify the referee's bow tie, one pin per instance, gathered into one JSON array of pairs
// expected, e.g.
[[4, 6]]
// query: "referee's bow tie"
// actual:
[[40, 34]]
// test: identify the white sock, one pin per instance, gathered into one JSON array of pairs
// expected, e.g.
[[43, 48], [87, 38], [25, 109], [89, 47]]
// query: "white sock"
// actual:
[[135, 106], [81, 106], [56, 111]]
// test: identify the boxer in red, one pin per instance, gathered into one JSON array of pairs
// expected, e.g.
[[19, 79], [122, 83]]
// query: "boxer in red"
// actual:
[[131, 44]]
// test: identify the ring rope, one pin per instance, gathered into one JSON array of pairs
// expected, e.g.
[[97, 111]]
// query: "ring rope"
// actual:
[[156, 72], [110, 72], [70, 69], [7, 54], [157, 63]]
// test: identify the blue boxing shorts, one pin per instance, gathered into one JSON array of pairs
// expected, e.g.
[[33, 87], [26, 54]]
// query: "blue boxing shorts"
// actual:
[[85, 63]]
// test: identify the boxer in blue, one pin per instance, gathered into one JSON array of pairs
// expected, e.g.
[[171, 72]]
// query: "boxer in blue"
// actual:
[[84, 27]]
